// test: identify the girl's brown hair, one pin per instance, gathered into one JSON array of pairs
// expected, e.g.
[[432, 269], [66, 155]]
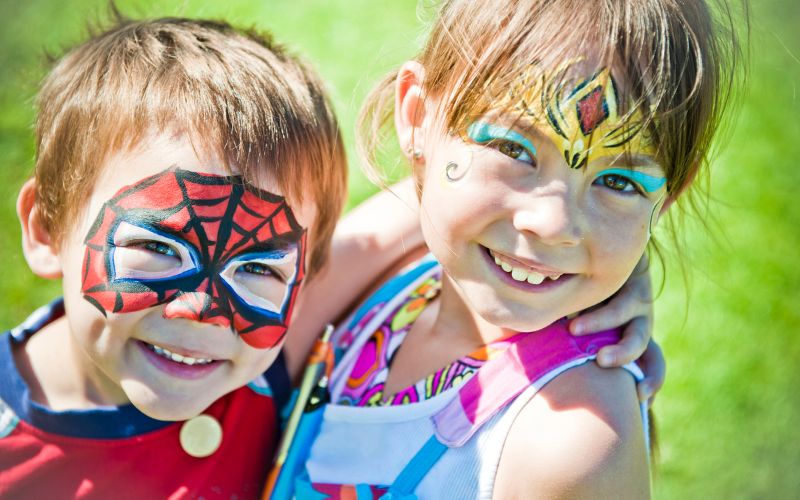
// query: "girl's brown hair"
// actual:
[[232, 92], [677, 59]]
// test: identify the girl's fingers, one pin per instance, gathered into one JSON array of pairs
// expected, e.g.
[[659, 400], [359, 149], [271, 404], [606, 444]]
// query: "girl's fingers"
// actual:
[[626, 305], [635, 339], [633, 300], [655, 370]]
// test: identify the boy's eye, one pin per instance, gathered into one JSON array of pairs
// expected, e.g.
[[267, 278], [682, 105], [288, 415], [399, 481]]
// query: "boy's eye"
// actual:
[[262, 279], [257, 268], [159, 248]]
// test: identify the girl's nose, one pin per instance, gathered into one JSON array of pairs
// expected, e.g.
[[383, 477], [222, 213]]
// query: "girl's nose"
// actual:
[[552, 218], [197, 306]]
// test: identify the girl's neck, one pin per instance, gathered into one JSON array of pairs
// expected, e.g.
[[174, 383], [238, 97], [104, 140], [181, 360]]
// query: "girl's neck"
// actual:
[[456, 317]]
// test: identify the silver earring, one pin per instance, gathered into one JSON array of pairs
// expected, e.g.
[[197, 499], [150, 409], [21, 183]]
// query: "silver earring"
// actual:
[[653, 216], [415, 153], [451, 172]]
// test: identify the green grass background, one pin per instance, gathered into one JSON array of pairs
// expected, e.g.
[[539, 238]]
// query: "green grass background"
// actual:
[[729, 414]]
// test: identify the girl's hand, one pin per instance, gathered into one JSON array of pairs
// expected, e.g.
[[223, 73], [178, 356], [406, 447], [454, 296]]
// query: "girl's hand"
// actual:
[[631, 306]]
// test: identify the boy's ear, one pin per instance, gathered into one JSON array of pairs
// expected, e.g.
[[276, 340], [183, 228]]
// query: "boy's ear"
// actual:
[[409, 109], [37, 246]]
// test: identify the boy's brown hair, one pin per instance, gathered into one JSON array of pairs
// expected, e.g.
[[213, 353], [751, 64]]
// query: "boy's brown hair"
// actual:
[[232, 92]]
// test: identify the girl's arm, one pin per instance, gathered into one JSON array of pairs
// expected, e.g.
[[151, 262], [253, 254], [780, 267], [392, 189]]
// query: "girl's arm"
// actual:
[[368, 241], [580, 437]]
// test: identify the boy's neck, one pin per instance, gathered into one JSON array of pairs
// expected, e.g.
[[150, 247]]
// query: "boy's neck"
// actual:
[[60, 376]]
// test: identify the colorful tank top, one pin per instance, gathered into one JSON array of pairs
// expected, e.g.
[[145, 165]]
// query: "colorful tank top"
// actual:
[[445, 446], [365, 383]]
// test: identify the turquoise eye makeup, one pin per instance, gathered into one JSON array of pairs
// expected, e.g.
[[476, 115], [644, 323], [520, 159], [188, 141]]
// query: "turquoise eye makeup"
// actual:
[[513, 144], [649, 183]]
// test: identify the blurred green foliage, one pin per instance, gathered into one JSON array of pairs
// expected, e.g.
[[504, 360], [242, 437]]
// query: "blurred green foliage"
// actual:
[[729, 415]]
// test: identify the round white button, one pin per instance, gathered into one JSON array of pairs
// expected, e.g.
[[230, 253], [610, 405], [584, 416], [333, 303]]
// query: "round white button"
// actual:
[[201, 436]]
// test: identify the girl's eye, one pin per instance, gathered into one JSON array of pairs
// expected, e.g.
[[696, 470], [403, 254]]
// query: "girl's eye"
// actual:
[[515, 151], [506, 141], [618, 183], [159, 248]]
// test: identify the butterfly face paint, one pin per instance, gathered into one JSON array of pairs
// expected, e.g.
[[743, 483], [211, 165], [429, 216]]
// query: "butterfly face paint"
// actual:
[[580, 119], [202, 244]]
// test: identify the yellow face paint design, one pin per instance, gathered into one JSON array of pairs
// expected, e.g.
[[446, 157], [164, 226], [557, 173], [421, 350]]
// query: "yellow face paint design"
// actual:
[[581, 121]]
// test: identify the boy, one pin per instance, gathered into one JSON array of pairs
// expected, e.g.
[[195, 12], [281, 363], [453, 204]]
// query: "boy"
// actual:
[[188, 180]]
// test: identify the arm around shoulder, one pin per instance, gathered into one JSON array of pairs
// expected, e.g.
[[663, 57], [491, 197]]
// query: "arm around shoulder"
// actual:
[[369, 241], [580, 437]]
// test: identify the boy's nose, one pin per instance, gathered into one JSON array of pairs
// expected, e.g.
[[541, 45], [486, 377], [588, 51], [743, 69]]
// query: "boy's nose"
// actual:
[[197, 306], [552, 218]]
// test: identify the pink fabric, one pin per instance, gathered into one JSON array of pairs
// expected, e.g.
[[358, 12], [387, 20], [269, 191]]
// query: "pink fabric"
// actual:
[[503, 378]]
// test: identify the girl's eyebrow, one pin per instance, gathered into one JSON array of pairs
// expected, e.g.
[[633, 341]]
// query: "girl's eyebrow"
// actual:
[[649, 182], [485, 131], [631, 160]]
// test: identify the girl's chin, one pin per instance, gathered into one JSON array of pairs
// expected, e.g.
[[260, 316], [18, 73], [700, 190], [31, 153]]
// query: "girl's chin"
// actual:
[[509, 319]]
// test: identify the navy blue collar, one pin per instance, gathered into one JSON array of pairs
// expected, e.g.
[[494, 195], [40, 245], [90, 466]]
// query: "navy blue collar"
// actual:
[[109, 422]]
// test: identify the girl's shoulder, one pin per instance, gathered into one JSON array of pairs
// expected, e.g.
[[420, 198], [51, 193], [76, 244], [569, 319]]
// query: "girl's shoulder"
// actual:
[[581, 436]]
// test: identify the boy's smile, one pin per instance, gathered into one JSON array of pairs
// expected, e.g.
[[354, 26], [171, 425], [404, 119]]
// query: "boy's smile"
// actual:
[[178, 283]]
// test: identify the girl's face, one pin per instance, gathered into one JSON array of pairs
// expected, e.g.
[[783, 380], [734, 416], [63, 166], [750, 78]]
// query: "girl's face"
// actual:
[[540, 211]]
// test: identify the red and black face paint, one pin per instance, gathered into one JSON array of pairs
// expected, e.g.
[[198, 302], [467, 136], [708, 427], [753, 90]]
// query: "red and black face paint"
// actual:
[[205, 245]]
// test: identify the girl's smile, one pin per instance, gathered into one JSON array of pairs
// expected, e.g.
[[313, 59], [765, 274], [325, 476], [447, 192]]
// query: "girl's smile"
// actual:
[[527, 276]]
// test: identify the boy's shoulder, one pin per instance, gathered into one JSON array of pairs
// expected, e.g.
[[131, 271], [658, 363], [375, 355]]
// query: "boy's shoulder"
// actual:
[[95, 448], [107, 422]]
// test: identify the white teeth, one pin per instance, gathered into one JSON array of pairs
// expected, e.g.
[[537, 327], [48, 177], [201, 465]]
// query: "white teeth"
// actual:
[[535, 278], [519, 274], [186, 360], [523, 274]]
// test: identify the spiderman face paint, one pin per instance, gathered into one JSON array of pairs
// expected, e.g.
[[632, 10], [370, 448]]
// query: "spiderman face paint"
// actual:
[[208, 248]]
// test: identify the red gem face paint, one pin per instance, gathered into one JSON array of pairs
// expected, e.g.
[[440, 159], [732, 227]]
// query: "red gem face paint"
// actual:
[[580, 116], [210, 249]]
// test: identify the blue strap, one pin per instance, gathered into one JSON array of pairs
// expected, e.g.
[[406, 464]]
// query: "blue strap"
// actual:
[[280, 384], [416, 469]]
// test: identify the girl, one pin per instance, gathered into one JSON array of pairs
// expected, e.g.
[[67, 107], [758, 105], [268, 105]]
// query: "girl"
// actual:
[[547, 139]]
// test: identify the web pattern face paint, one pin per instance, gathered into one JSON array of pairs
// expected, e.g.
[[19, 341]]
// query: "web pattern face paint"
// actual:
[[580, 120], [225, 255]]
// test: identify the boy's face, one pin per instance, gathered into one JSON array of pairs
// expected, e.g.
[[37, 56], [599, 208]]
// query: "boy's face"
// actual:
[[178, 283]]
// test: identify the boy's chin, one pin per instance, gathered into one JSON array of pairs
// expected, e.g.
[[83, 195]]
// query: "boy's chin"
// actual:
[[165, 407]]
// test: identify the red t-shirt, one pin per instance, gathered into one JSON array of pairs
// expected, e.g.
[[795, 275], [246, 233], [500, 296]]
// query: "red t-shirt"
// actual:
[[118, 452]]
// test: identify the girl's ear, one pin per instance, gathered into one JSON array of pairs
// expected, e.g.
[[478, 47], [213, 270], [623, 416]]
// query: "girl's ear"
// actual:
[[409, 109], [672, 198], [37, 246], [667, 203]]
